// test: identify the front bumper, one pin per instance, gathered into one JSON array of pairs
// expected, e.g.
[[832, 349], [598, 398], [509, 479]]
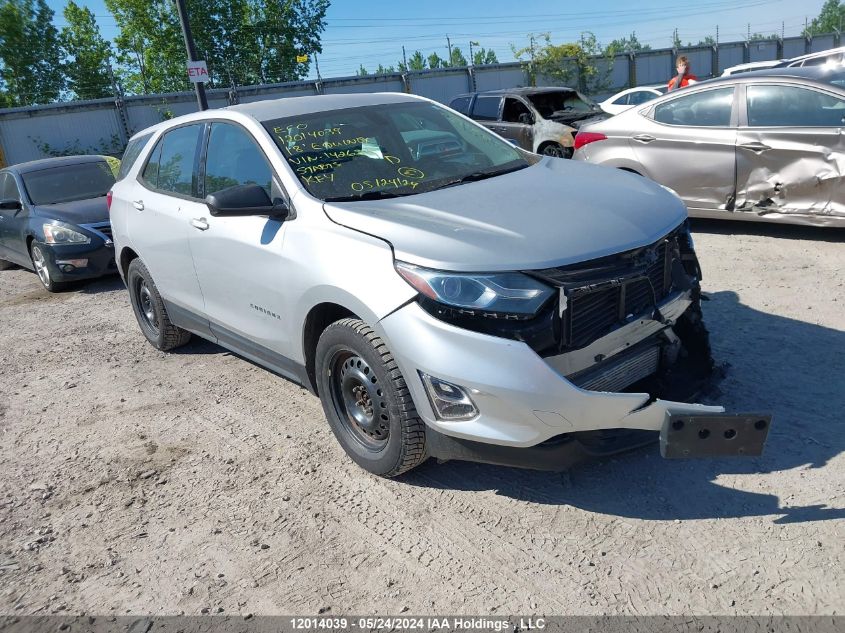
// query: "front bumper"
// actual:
[[523, 400], [100, 256]]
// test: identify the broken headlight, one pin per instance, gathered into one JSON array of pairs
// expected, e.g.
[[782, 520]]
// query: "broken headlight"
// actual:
[[493, 295]]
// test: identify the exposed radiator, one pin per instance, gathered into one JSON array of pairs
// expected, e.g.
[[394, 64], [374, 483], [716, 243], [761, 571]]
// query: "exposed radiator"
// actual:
[[620, 372]]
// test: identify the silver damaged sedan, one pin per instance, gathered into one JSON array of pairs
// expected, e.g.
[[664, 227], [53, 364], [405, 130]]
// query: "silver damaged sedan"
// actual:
[[749, 147], [444, 293]]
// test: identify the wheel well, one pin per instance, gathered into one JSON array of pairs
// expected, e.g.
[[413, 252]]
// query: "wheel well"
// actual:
[[319, 318], [546, 144], [630, 171], [126, 257]]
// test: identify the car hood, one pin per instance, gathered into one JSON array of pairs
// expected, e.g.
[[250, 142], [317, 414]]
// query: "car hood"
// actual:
[[554, 213], [76, 212]]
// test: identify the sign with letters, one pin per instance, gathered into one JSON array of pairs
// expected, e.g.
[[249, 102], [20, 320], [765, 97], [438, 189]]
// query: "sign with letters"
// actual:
[[197, 71]]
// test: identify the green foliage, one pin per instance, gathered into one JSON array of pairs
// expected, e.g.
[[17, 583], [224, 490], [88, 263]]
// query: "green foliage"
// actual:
[[571, 64], [111, 146], [830, 19], [30, 54], [458, 58], [416, 61], [757, 37], [87, 52], [435, 61], [482, 57], [242, 41], [362, 72], [628, 44]]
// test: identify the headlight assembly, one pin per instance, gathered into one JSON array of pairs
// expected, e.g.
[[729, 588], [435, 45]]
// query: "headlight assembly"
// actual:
[[59, 234], [494, 293]]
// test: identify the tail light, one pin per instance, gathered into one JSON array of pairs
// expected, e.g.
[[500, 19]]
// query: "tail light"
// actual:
[[108, 200], [584, 138]]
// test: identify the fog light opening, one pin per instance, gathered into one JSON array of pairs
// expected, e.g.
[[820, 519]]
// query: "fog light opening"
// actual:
[[67, 265], [449, 401]]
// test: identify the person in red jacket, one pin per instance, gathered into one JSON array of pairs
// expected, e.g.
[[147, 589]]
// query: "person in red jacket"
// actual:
[[684, 77]]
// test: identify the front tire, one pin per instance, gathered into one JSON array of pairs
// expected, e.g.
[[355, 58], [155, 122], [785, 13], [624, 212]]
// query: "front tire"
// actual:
[[42, 269], [149, 309], [366, 400]]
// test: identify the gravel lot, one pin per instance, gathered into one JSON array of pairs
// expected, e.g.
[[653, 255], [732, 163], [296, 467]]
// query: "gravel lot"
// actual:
[[134, 481]]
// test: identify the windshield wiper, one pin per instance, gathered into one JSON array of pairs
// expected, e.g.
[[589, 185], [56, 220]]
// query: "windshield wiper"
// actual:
[[369, 195], [479, 175]]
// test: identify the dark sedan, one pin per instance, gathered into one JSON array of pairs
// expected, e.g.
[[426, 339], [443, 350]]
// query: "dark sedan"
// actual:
[[54, 219]]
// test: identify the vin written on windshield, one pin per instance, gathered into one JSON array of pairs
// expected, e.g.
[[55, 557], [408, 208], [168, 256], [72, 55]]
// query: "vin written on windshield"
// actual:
[[389, 150]]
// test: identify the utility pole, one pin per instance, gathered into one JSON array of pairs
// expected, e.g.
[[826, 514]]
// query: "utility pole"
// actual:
[[404, 58], [748, 33], [317, 66], [449, 46], [192, 51], [470, 53]]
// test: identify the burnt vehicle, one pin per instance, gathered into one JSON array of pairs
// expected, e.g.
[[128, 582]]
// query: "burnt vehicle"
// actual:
[[762, 146], [540, 120], [54, 219]]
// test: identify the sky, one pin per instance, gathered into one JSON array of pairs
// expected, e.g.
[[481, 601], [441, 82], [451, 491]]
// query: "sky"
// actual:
[[372, 32]]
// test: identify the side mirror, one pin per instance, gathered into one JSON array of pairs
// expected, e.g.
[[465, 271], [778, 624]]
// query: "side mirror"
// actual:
[[526, 118], [10, 204], [243, 200]]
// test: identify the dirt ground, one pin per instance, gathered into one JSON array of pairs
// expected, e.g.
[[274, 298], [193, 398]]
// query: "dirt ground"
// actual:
[[134, 481]]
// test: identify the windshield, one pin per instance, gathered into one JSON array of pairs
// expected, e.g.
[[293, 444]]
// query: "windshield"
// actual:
[[389, 150], [561, 103], [68, 182]]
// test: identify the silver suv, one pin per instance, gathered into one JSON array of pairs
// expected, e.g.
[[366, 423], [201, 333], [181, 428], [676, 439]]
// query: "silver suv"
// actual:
[[444, 293]]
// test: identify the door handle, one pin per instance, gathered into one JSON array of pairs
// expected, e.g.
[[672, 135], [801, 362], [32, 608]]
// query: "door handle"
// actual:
[[755, 147], [644, 138], [200, 223], [138, 204]]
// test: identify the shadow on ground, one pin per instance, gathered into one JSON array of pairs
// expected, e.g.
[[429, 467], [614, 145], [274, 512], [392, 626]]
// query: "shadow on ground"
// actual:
[[795, 370]]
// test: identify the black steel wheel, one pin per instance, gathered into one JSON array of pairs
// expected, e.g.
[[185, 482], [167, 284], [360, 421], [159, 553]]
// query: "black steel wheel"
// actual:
[[366, 401], [150, 310]]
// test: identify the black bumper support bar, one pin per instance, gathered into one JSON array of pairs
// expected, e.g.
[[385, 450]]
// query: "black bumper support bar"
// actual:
[[714, 435]]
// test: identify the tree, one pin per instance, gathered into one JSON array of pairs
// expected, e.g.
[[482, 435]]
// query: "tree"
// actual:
[[416, 61], [707, 41], [362, 72], [87, 54], [569, 64], [483, 56], [435, 61], [757, 37], [628, 44], [30, 55], [242, 41], [457, 57], [831, 18], [676, 39]]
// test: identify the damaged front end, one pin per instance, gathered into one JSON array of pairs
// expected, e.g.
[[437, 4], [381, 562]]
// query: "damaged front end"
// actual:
[[630, 324]]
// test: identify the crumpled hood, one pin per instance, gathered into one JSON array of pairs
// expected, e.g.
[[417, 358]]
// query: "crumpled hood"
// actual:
[[553, 213], [76, 212]]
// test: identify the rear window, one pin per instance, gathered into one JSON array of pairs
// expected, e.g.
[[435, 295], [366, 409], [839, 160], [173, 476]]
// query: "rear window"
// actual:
[[133, 149], [65, 183]]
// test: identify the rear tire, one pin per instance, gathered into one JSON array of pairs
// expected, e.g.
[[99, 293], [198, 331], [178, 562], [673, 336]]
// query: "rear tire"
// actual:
[[42, 269], [366, 400], [150, 311], [556, 150]]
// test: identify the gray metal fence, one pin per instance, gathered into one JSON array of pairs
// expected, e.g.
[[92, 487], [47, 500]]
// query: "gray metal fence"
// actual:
[[104, 125]]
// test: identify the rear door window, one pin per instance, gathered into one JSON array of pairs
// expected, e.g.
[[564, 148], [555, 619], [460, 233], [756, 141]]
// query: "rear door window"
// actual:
[[711, 108], [486, 108], [171, 167], [793, 106], [461, 104], [133, 149]]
